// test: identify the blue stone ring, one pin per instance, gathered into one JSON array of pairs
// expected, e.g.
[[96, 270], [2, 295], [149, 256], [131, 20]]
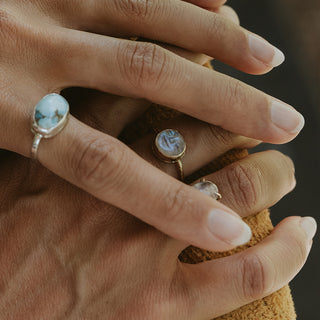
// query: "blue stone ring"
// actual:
[[170, 147], [49, 117]]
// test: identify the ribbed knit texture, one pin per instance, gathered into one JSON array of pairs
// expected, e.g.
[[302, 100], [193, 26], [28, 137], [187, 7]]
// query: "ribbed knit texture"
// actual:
[[274, 307]]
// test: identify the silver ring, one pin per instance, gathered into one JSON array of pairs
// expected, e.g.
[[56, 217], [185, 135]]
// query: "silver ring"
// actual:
[[208, 188], [49, 117], [170, 147]]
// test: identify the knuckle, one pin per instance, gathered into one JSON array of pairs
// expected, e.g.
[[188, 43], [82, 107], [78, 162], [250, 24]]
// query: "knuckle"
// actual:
[[135, 8], [147, 64], [245, 185], [217, 134], [254, 274], [8, 26], [175, 203], [215, 27], [97, 163], [235, 94]]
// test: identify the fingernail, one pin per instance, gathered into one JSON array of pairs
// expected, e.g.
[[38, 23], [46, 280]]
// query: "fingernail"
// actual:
[[309, 226], [286, 118], [264, 51], [229, 228]]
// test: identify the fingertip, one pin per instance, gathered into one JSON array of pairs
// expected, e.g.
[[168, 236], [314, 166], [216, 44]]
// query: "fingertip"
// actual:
[[306, 227], [208, 4], [278, 58], [309, 226], [265, 53], [282, 123], [228, 227], [286, 118]]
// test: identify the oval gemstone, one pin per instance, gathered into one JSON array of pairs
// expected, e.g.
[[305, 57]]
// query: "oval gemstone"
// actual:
[[208, 188], [51, 112], [170, 144]]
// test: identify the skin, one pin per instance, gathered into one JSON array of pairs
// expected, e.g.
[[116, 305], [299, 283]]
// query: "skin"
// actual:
[[85, 259], [67, 255], [47, 46]]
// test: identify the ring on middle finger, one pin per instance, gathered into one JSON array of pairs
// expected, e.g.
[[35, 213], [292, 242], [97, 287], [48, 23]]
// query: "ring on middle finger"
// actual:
[[170, 147]]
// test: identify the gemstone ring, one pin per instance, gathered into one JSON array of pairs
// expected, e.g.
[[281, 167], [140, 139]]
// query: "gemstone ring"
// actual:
[[170, 147], [49, 117], [208, 188]]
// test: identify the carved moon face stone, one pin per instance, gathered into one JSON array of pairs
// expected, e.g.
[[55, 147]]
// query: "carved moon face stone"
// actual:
[[170, 145], [50, 115], [208, 188]]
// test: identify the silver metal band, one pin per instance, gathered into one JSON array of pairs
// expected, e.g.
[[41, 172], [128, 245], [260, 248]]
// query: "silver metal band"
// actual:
[[35, 146]]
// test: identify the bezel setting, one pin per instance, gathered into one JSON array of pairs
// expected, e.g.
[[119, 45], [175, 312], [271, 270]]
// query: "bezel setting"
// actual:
[[208, 188], [170, 136], [52, 131]]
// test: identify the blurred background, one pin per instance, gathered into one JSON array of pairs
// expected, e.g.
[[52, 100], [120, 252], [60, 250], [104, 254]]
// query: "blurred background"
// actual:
[[294, 27]]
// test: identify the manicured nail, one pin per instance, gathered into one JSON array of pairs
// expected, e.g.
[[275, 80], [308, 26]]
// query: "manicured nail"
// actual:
[[286, 118], [309, 226], [229, 228], [264, 51]]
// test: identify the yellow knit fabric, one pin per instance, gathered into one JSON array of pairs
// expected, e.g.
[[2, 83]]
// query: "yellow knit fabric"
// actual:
[[276, 306]]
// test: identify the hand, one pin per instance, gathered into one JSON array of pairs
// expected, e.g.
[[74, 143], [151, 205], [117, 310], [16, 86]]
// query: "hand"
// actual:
[[65, 254], [63, 55], [54, 52]]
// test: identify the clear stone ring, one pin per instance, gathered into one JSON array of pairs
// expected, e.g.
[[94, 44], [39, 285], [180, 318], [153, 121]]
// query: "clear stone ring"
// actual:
[[208, 188], [170, 147], [49, 117]]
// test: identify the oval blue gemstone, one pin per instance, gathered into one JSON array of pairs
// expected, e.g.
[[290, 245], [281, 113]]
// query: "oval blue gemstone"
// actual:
[[50, 112]]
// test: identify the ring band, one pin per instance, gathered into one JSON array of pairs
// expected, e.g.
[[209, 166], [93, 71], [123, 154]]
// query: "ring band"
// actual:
[[170, 147], [208, 188], [49, 117]]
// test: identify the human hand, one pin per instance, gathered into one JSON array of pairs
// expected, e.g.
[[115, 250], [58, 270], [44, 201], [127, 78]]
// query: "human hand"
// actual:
[[65, 254], [52, 50], [54, 58]]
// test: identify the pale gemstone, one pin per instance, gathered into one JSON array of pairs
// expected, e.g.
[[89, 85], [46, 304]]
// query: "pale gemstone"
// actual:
[[50, 111], [170, 143], [208, 188]]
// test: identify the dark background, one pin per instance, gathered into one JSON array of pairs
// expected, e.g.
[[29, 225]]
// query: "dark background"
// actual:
[[294, 28]]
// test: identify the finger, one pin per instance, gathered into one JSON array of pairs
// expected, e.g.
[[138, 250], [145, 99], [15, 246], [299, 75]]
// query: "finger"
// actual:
[[248, 186], [106, 168], [110, 171], [229, 14], [208, 4], [169, 22], [256, 182], [148, 71], [253, 274], [105, 112], [110, 114], [202, 59], [204, 144]]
